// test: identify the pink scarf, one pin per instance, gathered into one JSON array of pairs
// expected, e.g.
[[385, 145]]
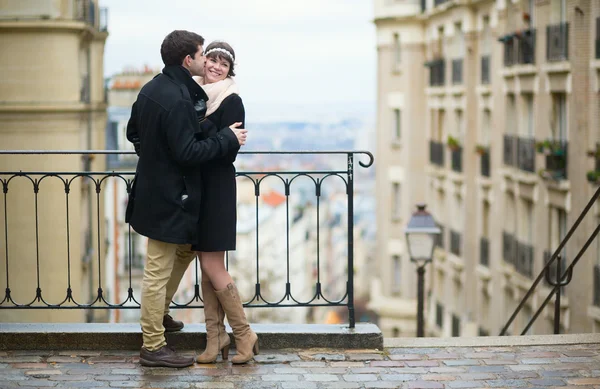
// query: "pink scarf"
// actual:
[[217, 92]]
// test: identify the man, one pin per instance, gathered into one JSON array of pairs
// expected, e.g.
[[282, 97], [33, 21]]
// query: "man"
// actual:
[[163, 204]]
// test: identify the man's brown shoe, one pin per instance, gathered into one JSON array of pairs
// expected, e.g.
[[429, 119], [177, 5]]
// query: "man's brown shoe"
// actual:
[[164, 357], [171, 325]]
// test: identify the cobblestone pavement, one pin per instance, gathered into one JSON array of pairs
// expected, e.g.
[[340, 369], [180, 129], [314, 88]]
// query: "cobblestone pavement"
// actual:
[[576, 366]]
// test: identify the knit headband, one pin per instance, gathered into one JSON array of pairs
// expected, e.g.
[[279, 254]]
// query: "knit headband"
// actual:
[[220, 50]]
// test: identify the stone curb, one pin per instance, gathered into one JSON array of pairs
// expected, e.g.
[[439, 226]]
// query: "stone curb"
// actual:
[[121, 336]]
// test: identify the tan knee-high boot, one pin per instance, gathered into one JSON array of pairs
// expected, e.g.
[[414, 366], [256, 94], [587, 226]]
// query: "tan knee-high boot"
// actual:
[[246, 341], [217, 338]]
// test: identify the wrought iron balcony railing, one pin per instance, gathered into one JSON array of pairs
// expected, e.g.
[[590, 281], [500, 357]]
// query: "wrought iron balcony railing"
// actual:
[[437, 72], [457, 71], [557, 43], [455, 243], [44, 192], [519, 47], [456, 159], [597, 38], [524, 261], [557, 159], [509, 248], [597, 285], [510, 150], [484, 252], [526, 154], [485, 163], [485, 69], [436, 153]]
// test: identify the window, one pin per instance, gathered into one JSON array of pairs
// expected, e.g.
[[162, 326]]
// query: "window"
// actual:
[[511, 113], [528, 116], [397, 52], [459, 125], [485, 222], [526, 228], [397, 124], [486, 46], [396, 276], [396, 196], [559, 116], [440, 127], [485, 127], [455, 325], [531, 11], [559, 11], [459, 41]]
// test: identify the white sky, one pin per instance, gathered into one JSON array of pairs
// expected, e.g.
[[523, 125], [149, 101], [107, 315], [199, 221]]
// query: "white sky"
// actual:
[[315, 52]]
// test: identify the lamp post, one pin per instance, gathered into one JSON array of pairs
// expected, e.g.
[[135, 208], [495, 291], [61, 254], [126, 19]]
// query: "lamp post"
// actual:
[[421, 233]]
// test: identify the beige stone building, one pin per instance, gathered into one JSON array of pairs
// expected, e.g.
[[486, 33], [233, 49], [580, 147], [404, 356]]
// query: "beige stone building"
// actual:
[[52, 96], [488, 111]]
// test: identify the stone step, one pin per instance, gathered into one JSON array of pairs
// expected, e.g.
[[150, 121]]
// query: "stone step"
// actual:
[[125, 336]]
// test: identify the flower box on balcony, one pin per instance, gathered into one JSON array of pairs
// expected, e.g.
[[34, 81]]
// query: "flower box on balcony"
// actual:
[[452, 143], [481, 149], [593, 176]]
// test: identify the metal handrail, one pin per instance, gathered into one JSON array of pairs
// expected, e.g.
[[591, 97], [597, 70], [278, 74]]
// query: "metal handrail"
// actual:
[[562, 279]]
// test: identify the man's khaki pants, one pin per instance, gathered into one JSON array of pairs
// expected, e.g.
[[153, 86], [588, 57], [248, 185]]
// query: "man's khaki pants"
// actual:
[[165, 265]]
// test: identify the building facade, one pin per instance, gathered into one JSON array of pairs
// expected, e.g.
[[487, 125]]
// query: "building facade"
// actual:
[[488, 111], [52, 97]]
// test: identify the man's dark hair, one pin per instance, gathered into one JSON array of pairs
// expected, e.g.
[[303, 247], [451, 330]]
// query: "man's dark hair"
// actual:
[[179, 44]]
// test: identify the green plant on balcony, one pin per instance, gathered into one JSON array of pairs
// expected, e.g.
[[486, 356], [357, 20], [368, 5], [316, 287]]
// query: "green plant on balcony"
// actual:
[[453, 143], [595, 153], [549, 147], [593, 176], [481, 149], [547, 174]]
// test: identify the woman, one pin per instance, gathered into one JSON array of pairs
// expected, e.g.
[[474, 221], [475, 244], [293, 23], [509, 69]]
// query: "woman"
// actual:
[[217, 221]]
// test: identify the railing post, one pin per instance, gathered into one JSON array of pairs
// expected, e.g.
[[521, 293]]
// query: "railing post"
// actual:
[[351, 240], [557, 299]]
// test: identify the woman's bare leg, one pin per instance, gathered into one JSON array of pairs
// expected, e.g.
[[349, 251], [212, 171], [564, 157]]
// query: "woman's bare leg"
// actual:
[[213, 268]]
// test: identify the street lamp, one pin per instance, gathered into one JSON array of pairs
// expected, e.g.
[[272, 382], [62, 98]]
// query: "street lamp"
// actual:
[[421, 233]]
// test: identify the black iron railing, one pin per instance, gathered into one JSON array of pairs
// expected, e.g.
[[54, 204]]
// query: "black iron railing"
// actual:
[[526, 154], [510, 150], [457, 71], [556, 160], [436, 153], [85, 11], [484, 251], [439, 315], [439, 2], [597, 285], [564, 274], [68, 189], [509, 248], [455, 325], [437, 72], [557, 43], [455, 243], [485, 69], [456, 159], [597, 38], [485, 163], [524, 259], [553, 270], [519, 47]]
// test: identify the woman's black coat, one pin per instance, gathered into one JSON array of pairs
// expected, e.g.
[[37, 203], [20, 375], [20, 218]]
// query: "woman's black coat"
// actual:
[[217, 221]]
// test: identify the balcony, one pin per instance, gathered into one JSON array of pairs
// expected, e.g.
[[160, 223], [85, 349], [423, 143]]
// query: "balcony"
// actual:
[[485, 69], [437, 72], [526, 154], [455, 243], [524, 260], [436, 153], [509, 248], [519, 48], [597, 285], [597, 38], [484, 161], [556, 155], [456, 159], [557, 44], [457, 71], [509, 148], [484, 252]]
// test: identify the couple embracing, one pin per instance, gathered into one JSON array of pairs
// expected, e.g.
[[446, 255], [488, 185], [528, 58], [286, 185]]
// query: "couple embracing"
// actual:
[[187, 127]]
